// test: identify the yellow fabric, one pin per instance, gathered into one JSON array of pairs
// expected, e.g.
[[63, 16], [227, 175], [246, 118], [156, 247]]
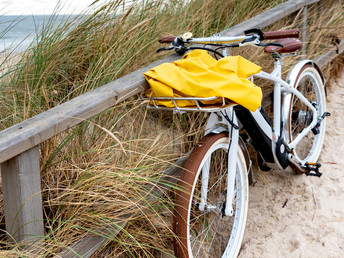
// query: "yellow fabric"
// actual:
[[200, 75]]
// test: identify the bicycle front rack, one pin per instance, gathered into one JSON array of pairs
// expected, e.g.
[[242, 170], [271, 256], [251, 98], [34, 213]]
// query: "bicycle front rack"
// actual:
[[199, 104]]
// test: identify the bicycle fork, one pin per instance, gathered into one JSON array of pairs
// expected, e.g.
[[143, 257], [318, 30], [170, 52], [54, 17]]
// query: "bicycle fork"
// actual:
[[218, 123], [232, 165]]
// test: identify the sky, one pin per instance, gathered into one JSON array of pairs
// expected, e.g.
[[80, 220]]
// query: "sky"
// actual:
[[29, 7]]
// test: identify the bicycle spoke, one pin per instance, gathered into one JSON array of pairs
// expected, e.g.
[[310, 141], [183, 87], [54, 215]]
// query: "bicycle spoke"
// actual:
[[211, 242], [200, 233], [296, 126], [202, 241]]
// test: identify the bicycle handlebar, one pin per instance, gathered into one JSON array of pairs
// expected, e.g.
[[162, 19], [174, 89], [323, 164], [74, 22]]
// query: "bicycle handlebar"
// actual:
[[253, 37], [280, 34]]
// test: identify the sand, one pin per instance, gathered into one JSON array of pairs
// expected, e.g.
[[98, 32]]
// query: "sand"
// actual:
[[298, 216], [8, 60]]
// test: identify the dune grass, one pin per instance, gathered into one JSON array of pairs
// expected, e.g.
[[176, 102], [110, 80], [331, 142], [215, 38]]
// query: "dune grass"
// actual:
[[79, 55], [96, 177]]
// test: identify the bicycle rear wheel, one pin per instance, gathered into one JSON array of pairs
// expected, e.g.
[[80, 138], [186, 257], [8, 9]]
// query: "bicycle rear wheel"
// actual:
[[309, 83], [209, 233]]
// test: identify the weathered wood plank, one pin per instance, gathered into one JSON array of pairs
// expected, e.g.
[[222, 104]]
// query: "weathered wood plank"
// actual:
[[324, 59], [21, 186], [87, 246], [268, 17]]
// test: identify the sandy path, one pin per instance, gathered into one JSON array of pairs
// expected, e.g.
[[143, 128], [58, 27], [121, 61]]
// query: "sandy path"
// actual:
[[298, 216]]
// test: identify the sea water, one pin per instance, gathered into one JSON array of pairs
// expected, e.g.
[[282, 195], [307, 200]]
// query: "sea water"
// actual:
[[18, 32]]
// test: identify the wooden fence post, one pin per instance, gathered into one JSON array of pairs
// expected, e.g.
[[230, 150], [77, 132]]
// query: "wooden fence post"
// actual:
[[21, 186], [304, 30]]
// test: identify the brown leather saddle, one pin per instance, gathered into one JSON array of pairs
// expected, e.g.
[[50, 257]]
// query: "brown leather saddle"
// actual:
[[289, 45]]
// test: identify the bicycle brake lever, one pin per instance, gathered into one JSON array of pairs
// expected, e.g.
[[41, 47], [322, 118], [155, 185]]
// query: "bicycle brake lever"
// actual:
[[164, 49], [270, 44], [275, 44]]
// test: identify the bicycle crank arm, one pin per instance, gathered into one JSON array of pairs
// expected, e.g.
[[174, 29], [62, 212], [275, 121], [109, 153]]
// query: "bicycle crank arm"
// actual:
[[310, 169], [296, 164]]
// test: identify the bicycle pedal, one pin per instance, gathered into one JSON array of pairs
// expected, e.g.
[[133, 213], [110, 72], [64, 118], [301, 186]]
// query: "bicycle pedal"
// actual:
[[312, 169]]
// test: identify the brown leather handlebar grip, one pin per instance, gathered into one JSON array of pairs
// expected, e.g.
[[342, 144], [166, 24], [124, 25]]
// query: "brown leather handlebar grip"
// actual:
[[166, 39], [282, 34]]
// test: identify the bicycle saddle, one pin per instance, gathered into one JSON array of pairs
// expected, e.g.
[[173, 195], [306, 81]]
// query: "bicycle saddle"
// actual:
[[289, 45]]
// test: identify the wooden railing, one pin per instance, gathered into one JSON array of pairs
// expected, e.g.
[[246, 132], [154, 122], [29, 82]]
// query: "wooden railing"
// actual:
[[19, 152]]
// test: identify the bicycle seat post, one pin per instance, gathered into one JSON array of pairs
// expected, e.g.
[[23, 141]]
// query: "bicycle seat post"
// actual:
[[277, 93], [279, 56]]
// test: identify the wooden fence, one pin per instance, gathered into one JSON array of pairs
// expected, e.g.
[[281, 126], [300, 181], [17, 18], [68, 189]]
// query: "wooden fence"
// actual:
[[19, 152]]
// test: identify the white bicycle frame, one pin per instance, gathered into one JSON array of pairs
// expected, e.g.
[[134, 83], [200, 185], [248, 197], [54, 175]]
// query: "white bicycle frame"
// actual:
[[216, 123]]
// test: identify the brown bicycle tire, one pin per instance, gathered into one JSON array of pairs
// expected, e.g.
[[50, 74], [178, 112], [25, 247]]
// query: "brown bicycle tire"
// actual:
[[182, 197]]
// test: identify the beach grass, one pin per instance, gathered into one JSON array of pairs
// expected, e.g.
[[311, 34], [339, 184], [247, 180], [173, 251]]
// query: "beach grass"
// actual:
[[96, 177]]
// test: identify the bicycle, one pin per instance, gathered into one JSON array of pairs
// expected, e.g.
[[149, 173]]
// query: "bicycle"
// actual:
[[212, 201]]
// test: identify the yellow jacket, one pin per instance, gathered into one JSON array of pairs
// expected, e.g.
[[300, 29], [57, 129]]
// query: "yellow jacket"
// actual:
[[200, 75]]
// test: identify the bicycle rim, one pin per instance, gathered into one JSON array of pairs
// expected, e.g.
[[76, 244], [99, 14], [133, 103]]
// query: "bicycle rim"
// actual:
[[309, 83], [209, 233]]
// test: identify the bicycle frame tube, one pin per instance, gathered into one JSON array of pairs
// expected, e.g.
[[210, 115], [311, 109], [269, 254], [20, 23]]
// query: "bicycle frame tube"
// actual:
[[219, 39], [279, 86]]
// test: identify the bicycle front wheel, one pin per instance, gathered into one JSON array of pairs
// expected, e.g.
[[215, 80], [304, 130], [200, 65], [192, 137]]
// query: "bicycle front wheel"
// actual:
[[309, 83], [207, 232]]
